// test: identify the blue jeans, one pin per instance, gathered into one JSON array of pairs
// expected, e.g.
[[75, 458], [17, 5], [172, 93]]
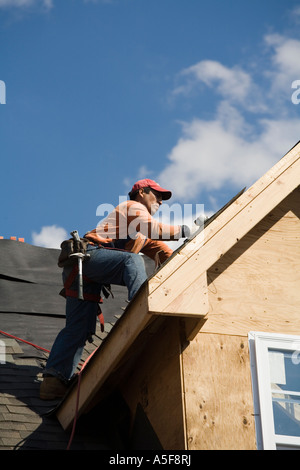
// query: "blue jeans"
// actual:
[[105, 266]]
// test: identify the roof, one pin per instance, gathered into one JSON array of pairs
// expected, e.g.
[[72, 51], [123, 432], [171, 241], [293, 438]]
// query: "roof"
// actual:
[[179, 288], [31, 315], [26, 422]]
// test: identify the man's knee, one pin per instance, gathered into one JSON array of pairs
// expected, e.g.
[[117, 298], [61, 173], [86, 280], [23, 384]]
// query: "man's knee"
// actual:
[[137, 260], [135, 267]]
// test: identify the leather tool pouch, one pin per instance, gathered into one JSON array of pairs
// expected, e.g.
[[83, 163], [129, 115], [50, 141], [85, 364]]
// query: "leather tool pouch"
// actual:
[[69, 247]]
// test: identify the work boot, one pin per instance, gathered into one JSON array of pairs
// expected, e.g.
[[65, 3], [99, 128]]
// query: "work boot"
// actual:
[[52, 388]]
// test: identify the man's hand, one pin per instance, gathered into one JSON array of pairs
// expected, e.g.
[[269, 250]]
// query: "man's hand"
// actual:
[[188, 232], [201, 220]]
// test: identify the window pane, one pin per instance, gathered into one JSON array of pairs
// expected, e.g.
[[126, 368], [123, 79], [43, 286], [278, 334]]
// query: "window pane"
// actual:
[[285, 369], [286, 411], [286, 447]]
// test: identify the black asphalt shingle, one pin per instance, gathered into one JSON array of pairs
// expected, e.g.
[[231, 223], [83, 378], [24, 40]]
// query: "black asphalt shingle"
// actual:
[[32, 310], [25, 422]]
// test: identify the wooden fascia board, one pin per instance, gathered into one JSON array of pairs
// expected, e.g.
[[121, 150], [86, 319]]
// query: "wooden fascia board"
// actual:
[[197, 256], [106, 358], [190, 302]]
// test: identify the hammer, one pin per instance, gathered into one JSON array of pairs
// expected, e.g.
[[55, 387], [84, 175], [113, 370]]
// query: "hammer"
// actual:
[[79, 256]]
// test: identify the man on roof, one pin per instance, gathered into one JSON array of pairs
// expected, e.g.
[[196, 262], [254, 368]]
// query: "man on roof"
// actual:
[[131, 225], [113, 249]]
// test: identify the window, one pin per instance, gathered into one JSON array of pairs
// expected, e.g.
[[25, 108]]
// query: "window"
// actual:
[[275, 367]]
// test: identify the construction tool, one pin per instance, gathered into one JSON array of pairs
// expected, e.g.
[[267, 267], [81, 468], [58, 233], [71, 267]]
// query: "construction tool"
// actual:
[[80, 256]]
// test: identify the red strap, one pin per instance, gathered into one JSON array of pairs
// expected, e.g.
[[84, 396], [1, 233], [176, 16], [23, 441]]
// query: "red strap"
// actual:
[[101, 318], [73, 293], [71, 278], [86, 296]]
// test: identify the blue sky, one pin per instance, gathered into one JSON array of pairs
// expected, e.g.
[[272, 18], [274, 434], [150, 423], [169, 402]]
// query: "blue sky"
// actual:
[[196, 95]]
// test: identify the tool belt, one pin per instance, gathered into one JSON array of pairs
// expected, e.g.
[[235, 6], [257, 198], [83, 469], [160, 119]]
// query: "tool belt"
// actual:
[[69, 247]]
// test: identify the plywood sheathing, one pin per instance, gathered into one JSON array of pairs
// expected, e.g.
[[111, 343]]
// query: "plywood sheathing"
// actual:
[[218, 396], [155, 382], [256, 284]]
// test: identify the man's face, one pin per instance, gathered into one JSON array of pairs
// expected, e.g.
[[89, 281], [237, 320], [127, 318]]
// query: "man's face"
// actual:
[[151, 200]]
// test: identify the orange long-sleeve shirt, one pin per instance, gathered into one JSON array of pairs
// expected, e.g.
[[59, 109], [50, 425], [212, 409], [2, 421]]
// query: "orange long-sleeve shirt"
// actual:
[[131, 223]]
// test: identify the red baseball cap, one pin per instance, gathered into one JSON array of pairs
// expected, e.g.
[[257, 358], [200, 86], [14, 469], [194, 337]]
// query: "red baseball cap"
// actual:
[[146, 183]]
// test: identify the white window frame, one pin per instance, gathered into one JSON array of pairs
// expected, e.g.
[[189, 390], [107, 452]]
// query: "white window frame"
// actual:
[[259, 344]]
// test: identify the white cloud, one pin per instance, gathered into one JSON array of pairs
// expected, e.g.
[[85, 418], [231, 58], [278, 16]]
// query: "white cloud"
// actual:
[[25, 3], [295, 14], [235, 148], [214, 154], [285, 64], [231, 83], [47, 4], [237, 85], [49, 236]]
